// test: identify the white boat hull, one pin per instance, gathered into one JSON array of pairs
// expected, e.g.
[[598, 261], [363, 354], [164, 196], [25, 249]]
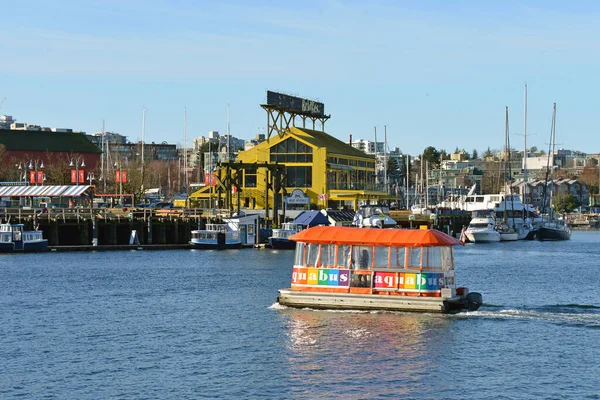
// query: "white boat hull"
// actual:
[[351, 301], [483, 237], [509, 237]]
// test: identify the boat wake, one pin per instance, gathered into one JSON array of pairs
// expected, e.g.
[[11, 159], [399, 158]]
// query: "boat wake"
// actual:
[[582, 315]]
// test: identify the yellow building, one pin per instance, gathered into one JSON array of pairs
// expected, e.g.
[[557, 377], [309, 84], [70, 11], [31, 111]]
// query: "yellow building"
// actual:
[[332, 173]]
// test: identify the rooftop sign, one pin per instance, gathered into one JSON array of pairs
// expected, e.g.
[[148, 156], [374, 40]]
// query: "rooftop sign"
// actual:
[[296, 104]]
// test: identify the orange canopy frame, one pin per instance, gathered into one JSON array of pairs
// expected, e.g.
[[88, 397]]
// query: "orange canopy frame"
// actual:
[[375, 237]]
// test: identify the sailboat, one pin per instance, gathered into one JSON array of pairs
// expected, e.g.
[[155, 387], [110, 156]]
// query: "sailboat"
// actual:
[[507, 233], [552, 229]]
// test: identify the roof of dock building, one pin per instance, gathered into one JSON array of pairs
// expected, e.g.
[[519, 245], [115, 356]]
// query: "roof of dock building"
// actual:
[[75, 142], [323, 139]]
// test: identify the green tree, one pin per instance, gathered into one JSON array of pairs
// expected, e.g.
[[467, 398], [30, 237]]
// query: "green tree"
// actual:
[[392, 168], [565, 202], [432, 155], [474, 155], [488, 153], [443, 155]]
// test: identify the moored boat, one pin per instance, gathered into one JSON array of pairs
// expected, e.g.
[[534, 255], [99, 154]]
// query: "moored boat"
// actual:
[[376, 269], [13, 239], [554, 230], [280, 238], [482, 228], [216, 237]]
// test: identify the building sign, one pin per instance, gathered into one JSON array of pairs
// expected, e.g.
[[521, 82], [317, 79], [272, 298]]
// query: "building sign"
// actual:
[[297, 197], [295, 104], [321, 276]]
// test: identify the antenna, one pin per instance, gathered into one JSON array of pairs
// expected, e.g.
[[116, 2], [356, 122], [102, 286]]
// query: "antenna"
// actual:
[[2, 103]]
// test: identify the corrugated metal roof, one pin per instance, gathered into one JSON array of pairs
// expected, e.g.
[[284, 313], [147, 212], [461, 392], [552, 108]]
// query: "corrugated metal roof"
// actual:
[[47, 191]]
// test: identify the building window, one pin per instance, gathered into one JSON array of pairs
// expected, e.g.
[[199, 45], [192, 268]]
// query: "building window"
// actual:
[[299, 176], [291, 151], [250, 177]]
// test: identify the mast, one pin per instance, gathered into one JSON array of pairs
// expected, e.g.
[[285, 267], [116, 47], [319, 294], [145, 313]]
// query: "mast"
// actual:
[[525, 186], [505, 158], [228, 135], [550, 154], [376, 174], [385, 158], [512, 200], [102, 174], [185, 158], [552, 166], [143, 133]]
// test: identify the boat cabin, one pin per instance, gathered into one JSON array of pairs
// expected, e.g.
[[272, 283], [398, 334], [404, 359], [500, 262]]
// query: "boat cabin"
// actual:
[[287, 229], [211, 231], [374, 261]]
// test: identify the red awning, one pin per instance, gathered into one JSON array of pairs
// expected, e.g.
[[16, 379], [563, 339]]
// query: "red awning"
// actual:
[[375, 237]]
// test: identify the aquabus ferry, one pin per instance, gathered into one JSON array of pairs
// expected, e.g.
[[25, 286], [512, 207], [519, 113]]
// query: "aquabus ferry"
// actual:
[[376, 269]]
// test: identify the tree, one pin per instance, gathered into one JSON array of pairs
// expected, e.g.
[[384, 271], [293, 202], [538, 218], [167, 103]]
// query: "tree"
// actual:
[[443, 155], [431, 155], [565, 202], [392, 168], [591, 177], [474, 155], [488, 153]]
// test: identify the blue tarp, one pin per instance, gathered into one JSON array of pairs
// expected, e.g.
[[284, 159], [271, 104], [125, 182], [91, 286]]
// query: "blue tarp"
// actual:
[[312, 218]]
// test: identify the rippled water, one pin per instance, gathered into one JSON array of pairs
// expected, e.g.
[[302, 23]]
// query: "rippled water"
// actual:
[[204, 324]]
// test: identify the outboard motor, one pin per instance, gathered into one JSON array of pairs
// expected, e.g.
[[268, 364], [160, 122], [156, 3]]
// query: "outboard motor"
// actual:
[[474, 301]]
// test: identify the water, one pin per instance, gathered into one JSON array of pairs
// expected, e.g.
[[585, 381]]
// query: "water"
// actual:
[[203, 324]]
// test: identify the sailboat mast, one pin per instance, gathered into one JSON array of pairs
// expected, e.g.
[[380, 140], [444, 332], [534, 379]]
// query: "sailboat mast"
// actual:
[[385, 157], [512, 200], [185, 157], [102, 174], [552, 155], [525, 150], [505, 158]]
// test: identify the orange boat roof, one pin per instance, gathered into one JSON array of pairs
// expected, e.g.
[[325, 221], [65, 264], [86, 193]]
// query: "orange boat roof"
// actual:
[[374, 237]]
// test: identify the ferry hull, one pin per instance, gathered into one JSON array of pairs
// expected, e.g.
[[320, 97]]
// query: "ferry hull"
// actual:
[[27, 247], [351, 301], [215, 246], [282, 244]]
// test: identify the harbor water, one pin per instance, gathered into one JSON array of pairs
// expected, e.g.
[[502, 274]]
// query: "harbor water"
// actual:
[[191, 324]]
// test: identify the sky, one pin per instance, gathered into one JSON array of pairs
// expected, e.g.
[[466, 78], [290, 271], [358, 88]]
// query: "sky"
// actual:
[[433, 73]]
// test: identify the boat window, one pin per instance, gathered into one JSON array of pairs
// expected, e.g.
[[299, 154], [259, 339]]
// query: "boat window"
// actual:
[[432, 258], [16, 235], [344, 256], [312, 254], [447, 258], [414, 257], [327, 255], [363, 256], [299, 258], [381, 256], [397, 257]]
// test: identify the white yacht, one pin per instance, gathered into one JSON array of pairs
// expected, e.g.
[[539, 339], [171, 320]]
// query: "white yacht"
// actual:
[[373, 216], [482, 228]]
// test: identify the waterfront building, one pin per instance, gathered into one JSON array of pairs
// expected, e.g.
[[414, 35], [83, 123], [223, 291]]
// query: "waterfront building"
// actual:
[[331, 173], [37, 156]]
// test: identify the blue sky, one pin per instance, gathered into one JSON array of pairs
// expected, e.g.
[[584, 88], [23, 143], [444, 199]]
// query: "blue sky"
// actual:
[[437, 73]]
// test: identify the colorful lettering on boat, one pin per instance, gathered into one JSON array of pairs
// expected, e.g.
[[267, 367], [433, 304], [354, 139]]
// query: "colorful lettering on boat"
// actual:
[[320, 276], [420, 281]]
